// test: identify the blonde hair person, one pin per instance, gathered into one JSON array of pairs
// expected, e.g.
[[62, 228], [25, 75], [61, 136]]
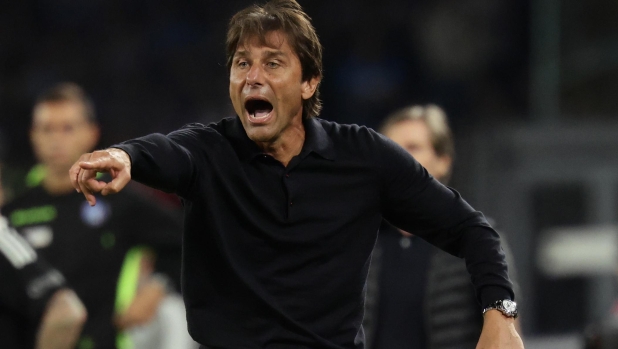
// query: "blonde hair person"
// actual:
[[438, 157]]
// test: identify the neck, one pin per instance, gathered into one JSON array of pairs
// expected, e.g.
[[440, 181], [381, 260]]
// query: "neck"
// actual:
[[288, 145], [57, 182]]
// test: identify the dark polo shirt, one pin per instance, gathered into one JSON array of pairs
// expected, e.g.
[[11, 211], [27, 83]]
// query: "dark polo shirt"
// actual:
[[277, 257]]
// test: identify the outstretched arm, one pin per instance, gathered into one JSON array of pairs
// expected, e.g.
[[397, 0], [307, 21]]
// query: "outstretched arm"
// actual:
[[415, 202], [164, 162], [114, 161]]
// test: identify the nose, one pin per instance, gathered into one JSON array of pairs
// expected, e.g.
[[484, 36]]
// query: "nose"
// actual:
[[254, 75]]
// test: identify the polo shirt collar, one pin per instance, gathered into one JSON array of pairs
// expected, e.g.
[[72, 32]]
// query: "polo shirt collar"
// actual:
[[316, 141]]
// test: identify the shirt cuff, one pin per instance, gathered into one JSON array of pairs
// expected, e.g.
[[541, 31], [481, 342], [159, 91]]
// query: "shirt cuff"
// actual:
[[490, 294]]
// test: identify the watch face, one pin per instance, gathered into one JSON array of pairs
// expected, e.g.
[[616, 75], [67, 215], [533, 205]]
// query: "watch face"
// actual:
[[509, 306]]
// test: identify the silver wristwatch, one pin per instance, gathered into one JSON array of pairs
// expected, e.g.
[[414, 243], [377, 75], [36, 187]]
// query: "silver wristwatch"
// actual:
[[505, 306]]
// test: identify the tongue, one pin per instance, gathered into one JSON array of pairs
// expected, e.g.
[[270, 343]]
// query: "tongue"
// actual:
[[260, 113]]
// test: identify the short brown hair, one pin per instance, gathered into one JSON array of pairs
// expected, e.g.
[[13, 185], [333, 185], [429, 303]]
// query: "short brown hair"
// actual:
[[288, 16], [68, 92]]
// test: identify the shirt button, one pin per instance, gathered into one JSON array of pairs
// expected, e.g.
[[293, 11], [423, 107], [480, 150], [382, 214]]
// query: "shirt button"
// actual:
[[291, 203], [287, 175]]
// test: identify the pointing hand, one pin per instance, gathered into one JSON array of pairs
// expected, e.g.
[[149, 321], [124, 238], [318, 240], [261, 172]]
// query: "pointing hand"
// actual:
[[83, 173]]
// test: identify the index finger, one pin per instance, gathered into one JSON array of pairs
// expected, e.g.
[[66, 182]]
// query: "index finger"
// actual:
[[84, 177], [75, 171]]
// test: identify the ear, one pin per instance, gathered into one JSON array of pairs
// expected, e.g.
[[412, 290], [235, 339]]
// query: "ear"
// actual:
[[308, 87], [443, 166]]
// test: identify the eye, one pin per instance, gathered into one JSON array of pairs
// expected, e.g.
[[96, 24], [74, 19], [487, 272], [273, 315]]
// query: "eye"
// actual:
[[272, 64], [242, 64]]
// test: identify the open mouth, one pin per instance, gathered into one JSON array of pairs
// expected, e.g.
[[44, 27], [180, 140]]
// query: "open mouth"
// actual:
[[258, 108]]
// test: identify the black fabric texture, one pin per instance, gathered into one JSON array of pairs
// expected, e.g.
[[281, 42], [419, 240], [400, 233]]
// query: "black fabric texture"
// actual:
[[277, 257]]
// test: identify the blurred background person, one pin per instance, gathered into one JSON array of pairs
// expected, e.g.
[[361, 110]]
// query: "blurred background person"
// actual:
[[418, 296], [530, 87], [103, 250], [37, 310]]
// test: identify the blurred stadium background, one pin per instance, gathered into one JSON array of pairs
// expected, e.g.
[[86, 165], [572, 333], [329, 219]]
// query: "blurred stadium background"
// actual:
[[530, 87]]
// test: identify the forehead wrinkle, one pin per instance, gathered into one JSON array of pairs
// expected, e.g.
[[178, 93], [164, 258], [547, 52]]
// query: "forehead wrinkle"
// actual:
[[242, 52], [271, 54], [271, 39]]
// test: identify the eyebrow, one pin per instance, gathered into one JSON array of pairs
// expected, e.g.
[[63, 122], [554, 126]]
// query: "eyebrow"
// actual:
[[241, 53], [268, 54]]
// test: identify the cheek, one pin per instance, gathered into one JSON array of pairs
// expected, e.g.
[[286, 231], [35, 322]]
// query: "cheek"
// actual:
[[433, 167], [42, 145], [291, 95], [237, 82], [73, 143], [235, 91], [39, 148], [423, 158]]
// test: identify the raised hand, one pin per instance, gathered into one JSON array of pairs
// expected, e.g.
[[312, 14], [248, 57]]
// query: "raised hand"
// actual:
[[83, 173]]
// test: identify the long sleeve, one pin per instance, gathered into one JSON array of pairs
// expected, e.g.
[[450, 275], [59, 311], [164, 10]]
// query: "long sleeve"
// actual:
[[416, 202], [165, 162]]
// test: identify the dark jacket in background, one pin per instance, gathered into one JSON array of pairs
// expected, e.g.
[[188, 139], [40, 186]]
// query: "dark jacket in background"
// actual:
[[419, 297]]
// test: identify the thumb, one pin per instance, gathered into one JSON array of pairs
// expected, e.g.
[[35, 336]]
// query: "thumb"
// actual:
[[116, 185]]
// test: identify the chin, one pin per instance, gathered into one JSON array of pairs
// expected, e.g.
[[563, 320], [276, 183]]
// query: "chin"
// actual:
[[260, 136]]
